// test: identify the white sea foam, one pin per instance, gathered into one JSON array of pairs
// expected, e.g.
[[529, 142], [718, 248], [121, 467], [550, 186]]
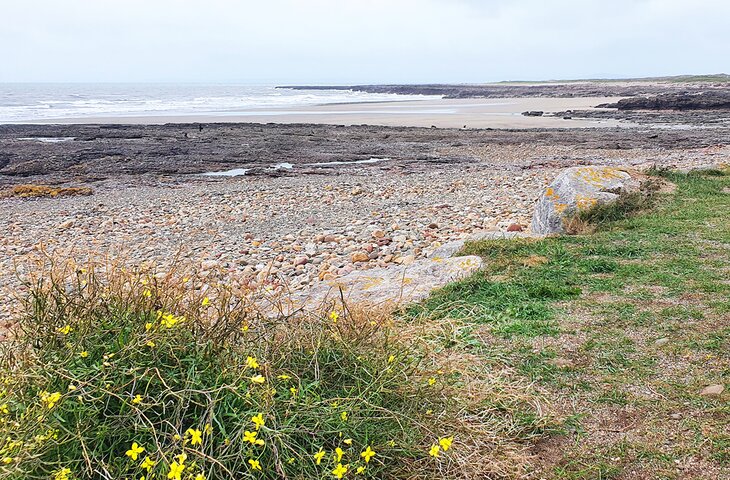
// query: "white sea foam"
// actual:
[[45, 102]]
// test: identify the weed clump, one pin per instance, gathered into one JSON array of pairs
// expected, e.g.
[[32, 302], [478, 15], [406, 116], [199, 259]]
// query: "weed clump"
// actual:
[[114, 375], [43, 191]]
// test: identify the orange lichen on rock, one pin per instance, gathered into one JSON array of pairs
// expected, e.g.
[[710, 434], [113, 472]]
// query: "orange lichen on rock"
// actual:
[[597, 177], [584, 202]]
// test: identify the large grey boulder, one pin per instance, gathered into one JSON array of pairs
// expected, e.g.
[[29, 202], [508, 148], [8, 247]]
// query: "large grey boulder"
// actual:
[[578, 189]]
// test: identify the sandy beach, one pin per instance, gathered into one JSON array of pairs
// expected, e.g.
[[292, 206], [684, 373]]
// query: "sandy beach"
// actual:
[[441, 113]]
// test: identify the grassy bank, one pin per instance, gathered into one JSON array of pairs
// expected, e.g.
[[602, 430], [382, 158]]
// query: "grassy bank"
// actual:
[[622, 330]]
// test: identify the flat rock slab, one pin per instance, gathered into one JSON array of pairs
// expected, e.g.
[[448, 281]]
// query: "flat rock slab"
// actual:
[[391, 286], [579, 189]]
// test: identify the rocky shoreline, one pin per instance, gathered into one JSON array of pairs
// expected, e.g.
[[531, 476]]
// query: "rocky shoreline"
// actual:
[[607, 88], [290, 229], [175, 153]]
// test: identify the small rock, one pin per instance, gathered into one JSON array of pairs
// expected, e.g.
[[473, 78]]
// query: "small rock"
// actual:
[[433, 226], [660, 342], [301, 260], [208, 264], [66, 224], [676, 416], [378, 233], [359, 257], [712, 391], [514, 227]]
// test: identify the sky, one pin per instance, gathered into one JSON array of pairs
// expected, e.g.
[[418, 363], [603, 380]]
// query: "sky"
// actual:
[[359, 41]]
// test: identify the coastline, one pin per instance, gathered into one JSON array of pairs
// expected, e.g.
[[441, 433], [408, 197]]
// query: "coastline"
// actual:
[[505, 113]]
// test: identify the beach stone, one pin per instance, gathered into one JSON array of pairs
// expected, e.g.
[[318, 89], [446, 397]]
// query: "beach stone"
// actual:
[[301, 260], [712, 390], [359, 257], [579, 189], [392, 285]]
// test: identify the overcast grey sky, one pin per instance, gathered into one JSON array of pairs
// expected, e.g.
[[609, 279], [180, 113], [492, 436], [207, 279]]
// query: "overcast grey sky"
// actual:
[[359, 41]]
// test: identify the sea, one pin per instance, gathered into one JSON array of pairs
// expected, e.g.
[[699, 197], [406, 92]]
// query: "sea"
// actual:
[[44, 102]]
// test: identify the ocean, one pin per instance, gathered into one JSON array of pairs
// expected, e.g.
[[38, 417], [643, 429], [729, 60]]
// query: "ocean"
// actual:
[[22, 102]]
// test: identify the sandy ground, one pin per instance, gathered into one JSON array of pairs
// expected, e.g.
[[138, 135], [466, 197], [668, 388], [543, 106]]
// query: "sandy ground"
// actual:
[[442, 113]]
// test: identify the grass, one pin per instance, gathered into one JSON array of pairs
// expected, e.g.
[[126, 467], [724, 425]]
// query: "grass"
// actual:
[[621, 328]]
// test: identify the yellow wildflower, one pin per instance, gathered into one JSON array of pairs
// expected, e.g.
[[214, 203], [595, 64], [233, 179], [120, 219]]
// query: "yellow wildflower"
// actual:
[[65, 330], [200, 476], [360, 470], [71, 387], [343, 416], [283, 377], [134, 451], [62, 474], [339, 452], [84, 354], [208, 429], [446, 443], [391, 359], [176, 470], [258, 379], [137, 399], [258, 420], [205, 303], [368, 454], [150, 344], [431, 381], [334, 316], [147, 464], [293, 391], [249, 436], [147, 294], [4, 409], [347, 441], [339, 471], [319, 456], [169, 320], [7, 460], [148, 326], [50, 399], [255, 464], [434, 452], [252, 363], [195, 436], [181, 458]]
